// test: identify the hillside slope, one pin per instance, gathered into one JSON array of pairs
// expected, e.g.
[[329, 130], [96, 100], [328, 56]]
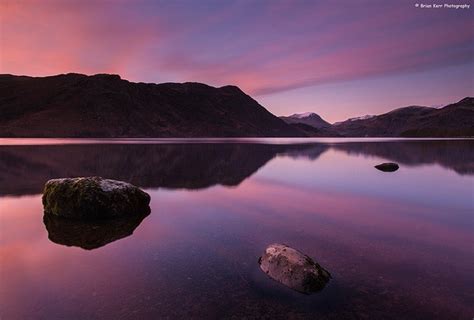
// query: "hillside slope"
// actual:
[[454, 120], [76, 105]]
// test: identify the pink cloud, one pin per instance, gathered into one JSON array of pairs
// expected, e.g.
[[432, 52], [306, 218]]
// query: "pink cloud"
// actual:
[[264, 47]]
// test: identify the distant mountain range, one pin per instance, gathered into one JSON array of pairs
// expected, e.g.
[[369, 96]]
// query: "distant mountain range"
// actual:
[[311, 124], [103, 105], [454, 120], [309, 118]]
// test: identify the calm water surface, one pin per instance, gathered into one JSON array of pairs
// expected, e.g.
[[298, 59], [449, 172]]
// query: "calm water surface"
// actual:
[[399, 245]]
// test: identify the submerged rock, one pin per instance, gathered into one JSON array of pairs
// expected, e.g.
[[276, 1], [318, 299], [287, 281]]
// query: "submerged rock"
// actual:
[[387, 167], [293, 269], [89, 234], [93, 198]]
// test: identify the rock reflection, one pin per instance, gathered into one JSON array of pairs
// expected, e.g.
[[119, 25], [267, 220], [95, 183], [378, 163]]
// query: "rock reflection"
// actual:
[[90, 235]]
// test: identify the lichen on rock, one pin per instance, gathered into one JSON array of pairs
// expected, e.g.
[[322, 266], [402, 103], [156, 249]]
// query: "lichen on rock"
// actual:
[[90, 198]]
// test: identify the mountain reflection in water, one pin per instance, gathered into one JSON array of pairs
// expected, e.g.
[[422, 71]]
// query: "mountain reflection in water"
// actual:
[[25, 169]]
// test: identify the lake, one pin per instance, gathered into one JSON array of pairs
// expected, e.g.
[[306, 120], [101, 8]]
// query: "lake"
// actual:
[[399, 245]]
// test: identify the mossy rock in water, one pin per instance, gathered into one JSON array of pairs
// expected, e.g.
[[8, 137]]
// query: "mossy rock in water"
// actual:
[[91, 198], [387, 167], [293, 269]]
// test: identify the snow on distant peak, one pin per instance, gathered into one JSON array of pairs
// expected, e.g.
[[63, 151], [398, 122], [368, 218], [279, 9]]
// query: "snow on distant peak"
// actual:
[[302, 115], [368, 116]]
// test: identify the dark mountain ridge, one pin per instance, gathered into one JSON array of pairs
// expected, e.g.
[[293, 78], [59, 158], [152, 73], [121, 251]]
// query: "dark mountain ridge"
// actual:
[[76, 105]]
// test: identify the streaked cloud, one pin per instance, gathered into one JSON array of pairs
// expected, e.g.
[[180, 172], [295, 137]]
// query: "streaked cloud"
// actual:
[[265, 47]]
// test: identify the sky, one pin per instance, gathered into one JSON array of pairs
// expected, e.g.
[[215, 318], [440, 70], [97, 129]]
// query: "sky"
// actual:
[[337, 58]]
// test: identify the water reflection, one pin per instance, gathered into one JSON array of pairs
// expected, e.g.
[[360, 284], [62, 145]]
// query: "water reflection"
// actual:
[[24, 169], [397, 244], [90, 235]]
